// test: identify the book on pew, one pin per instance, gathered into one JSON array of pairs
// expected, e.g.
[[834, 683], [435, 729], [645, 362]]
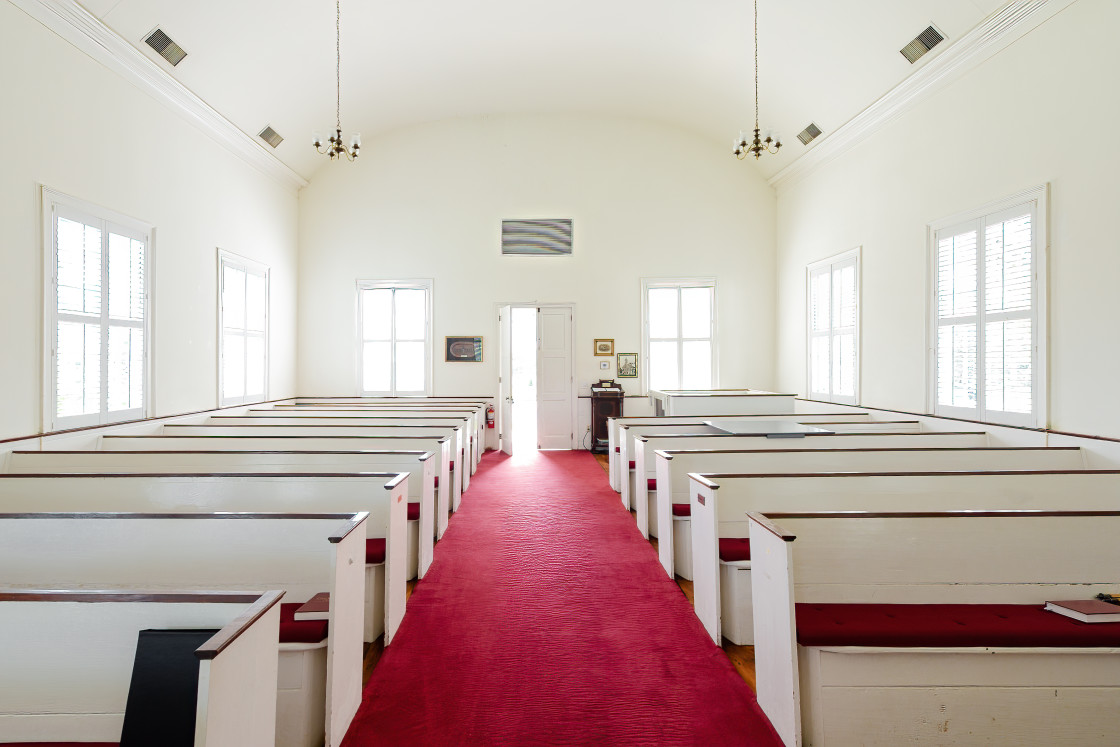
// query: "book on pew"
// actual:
[[1086, 610], [315, 608]]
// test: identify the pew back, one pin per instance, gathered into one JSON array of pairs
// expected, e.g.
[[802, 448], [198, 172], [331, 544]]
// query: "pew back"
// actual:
[[68, 659]]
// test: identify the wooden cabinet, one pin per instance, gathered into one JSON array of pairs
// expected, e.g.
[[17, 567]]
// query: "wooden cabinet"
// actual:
[[606, 402]]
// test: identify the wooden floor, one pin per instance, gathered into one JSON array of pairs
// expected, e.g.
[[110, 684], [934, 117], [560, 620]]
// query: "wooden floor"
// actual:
[[742, 657]]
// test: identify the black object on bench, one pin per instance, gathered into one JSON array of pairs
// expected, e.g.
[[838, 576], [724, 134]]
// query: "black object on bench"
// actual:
[[163, 694]]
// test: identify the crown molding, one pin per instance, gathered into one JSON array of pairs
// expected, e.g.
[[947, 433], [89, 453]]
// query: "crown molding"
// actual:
[[999, 30], [85, 31]]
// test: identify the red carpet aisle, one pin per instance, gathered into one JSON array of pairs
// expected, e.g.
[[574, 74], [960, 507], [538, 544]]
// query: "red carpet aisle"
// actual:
[[546, 619]]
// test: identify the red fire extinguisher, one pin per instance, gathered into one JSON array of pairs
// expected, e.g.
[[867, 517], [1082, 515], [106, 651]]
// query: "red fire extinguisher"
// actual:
[[489, 416]]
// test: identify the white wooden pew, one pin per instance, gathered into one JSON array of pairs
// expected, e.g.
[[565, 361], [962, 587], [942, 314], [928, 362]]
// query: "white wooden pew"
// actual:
[[614, 425], [721, 402], [383, 496], [473, 415], [891, 628], [456, 429], [68, 655], [671, 486], [300, 554], [439, 445], [725, 585], [419, 464], [638, 488]]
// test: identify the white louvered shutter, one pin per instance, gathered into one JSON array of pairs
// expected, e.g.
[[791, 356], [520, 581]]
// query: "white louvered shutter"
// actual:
[[986, 318], [833, 334], [100, 309]]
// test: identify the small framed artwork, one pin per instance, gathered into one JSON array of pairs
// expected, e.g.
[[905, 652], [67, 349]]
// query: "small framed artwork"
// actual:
[[627, 365], [463, 349], [605, 365], [604, 347]]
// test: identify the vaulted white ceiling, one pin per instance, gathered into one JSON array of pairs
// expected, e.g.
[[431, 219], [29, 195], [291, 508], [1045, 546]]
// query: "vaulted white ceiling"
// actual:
[[688, 63]]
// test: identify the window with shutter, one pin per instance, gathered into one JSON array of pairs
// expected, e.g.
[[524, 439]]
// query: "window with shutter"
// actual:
[[679, 342], [989, 285], [96, 319], [394, 337], [833, 328], [242, 330]]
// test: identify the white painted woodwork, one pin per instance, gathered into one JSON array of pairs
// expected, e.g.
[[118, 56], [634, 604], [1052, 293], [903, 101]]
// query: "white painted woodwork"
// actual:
[[68, 665], [735, 496], [724, 403], [440, 446], [419, 465], [777, 687], [301, 694], [1027, 695], [614, 426], [346, 624], [505, 378], [555, 380], [198, 493]]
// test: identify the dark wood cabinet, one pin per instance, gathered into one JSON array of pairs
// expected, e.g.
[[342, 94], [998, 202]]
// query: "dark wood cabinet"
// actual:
[[606, 402]]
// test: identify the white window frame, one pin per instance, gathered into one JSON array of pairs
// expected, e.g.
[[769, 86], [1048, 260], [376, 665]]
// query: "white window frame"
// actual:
[[651, 283], [832, 263], [1037, 198], [425, 284], [250, 267], [55, 203]]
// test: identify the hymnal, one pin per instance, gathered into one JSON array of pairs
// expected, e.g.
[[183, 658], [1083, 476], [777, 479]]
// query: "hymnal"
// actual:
[[316, 608], [1086, 610]]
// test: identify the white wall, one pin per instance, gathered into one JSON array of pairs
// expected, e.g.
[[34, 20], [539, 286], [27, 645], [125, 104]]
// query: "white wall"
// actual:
[[70, 124], [428, 201], [1039, 111]]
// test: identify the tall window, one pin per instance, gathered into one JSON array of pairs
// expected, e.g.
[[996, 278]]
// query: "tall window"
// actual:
[[833, 336], [96, 316], [679, 341], [395, 337], [243, 323], [988, 334]]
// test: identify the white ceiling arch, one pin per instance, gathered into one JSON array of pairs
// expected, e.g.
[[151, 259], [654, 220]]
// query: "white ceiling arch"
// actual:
[[689, 64]]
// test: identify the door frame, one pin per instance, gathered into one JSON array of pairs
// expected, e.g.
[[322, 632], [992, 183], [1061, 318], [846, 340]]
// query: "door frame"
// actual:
[[571, 306]]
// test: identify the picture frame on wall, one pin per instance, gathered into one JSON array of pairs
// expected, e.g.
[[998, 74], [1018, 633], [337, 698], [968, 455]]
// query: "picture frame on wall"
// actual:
[[604, 347], [627, 365], [463, 349]]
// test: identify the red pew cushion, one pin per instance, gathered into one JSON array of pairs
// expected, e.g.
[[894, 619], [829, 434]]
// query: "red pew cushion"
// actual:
[[618, 450], [631, 464], [375, 550], [299, 631], [437, 481], [414, 512], [651, 483], [909, 625], [682, 509], [451, 466], [734, 548]]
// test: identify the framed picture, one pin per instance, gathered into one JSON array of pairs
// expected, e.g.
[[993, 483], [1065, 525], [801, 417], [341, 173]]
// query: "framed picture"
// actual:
[[604, 347], [463, 349], [627, 365]]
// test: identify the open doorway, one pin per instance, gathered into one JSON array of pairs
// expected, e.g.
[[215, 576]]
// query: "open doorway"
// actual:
[[523, 349], [536, 377]]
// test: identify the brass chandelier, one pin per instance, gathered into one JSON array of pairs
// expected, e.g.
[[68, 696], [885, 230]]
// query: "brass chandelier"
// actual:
[[334, 147], [759, 145]]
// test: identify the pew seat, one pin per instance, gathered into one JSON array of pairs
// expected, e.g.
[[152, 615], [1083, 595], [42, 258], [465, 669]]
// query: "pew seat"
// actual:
[[375, 550], [947, 626], [299, 631], [733, 549], [682, 509]]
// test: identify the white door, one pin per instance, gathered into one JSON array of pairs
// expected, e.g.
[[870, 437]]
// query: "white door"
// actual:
[[555, 429], [505, 379]]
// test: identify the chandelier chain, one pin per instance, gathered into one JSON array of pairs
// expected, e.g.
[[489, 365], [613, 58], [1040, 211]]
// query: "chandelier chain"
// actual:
[[338, 64], [756, 64]]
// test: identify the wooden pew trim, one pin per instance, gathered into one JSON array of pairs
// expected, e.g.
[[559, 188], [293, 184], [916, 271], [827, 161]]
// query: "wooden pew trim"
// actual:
[[348, 526], [420, 455], [439, 439], [807, 435], [765, 522], [669, 453], [95, 596], [979, 514], [309, 425], [718, 475], [238, 625], [279, 475], [738, 417], [347, 517]]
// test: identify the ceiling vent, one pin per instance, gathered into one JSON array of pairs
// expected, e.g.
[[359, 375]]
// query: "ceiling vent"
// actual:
[[166, 48], [538, 237], [809, 134], [921, 44], [270, 136]]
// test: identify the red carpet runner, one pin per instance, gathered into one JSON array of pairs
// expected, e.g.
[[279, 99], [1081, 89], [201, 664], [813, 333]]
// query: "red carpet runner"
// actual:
[[546, 619]]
